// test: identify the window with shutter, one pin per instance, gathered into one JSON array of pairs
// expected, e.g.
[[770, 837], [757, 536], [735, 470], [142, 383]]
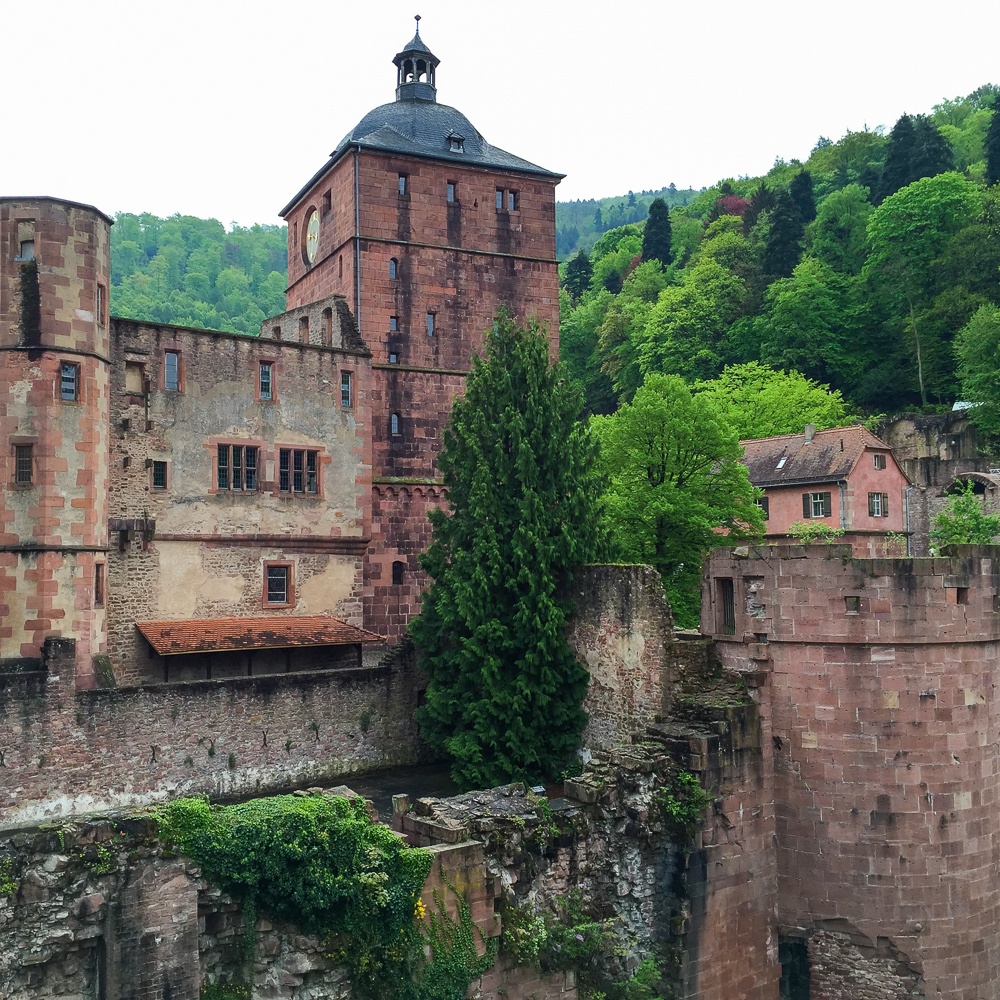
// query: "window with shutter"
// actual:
[[807, 505]]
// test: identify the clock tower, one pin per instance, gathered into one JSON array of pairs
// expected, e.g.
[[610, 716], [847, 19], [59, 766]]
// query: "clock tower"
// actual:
[[428, 231]]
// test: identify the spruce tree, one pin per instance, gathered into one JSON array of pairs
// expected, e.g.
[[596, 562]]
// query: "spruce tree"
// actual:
[[899, 153], [657, 237], [992, 146], [505, 691], [932, 153], [801, 190], [579, 270], [784, 238]]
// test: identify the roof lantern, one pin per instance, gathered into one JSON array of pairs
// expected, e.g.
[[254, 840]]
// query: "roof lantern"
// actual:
[[415, 69]]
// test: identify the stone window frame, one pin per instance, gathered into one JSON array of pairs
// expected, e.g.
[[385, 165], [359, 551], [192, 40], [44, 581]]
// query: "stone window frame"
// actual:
[[214, 444], [270, 568]]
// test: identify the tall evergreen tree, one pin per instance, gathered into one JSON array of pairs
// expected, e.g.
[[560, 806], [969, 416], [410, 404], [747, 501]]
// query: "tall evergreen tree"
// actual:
[[505, 692], [579, 270], [801, 190], [784, 239], [657, 236], [899, 153], [992, 146], [932, 153]]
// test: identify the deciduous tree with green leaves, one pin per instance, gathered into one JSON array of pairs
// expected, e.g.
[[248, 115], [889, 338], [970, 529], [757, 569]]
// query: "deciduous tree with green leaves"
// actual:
[[505, 692], [757, 401], [964, 522], [977, 347], [676, 483]]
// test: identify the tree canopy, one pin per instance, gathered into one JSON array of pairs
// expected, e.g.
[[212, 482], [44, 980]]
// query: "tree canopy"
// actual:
[[674, 481], [505, 691]]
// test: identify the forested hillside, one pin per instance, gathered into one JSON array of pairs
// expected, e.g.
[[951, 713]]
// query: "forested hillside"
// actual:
[[857, 268], [192, 272]]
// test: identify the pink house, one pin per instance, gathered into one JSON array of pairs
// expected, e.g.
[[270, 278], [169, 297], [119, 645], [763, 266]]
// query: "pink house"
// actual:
[[844, 477]]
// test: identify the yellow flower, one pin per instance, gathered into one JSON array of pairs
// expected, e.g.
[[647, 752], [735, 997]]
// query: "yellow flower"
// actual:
[[420, 911]]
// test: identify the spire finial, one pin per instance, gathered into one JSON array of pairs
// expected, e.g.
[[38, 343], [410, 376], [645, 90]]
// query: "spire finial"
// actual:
[[416, 17]]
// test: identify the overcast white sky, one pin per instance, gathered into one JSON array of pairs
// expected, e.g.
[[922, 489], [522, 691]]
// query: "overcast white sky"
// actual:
[[225, 109]]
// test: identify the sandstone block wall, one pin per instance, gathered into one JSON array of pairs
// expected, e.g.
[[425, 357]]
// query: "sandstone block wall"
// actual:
[[878, 681], [67, 752]]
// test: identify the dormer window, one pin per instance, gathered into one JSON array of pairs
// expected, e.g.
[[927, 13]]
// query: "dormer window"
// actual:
[[456, 144]]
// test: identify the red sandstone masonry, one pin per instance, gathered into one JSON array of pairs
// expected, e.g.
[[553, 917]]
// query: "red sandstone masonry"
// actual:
[[883, 724]]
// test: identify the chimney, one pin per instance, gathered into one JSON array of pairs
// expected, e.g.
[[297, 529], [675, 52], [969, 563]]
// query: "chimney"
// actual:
[[810, 433]]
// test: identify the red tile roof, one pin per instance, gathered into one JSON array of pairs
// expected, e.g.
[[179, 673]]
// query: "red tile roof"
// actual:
[[828, 457], [208, 635]]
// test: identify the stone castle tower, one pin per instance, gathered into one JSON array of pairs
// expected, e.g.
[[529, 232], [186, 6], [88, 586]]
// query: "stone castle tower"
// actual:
[[54, 361], [428, 231]]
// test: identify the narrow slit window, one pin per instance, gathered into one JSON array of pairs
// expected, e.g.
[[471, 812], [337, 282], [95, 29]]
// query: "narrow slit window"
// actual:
[[430, 324], [393, 324], [513, 201], [451, 192], [99, 585], [266, 380], [69, 381], [22, 464], [172, 371], [398, 572], [394, 425], [346, 390], [393, 269], [727, 606], [401, 184], [499, 199]]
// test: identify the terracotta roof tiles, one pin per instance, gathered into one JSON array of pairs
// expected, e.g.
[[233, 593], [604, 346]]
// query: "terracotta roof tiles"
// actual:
[[828, 457], [203, 635]]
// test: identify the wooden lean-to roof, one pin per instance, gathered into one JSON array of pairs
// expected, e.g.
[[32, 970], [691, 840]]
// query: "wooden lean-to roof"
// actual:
[[217, 635]]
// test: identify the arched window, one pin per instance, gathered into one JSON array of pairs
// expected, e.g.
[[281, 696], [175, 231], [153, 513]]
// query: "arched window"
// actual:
[[394, 425], [393, 269], [398, 572]]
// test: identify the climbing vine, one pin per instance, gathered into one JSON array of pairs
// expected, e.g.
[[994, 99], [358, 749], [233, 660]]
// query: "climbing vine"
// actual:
[[320, 863]]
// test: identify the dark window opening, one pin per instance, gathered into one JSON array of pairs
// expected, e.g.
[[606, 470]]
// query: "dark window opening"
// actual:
[[277, 584], [793, 953], [961, 595], [327, 203], [727, 606], [99, 585], [328, 327], [22, 464], [398, 572], [765, 506], [159, 475], [852, 604], [346, 390], [100, 304]]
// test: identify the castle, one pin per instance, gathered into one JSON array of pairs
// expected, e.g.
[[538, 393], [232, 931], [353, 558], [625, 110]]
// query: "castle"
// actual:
[[160, 479]]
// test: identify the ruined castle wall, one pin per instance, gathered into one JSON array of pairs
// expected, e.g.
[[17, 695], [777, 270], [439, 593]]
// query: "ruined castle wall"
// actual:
[[879, 675], [71, 752], [622, 632]]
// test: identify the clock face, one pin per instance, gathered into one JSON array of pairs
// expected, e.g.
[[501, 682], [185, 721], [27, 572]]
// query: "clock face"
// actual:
[[312, 236]]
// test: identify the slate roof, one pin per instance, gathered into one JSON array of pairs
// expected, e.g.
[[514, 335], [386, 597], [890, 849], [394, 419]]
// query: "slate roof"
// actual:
[[423, 128], [214, 635], [829, 457]]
